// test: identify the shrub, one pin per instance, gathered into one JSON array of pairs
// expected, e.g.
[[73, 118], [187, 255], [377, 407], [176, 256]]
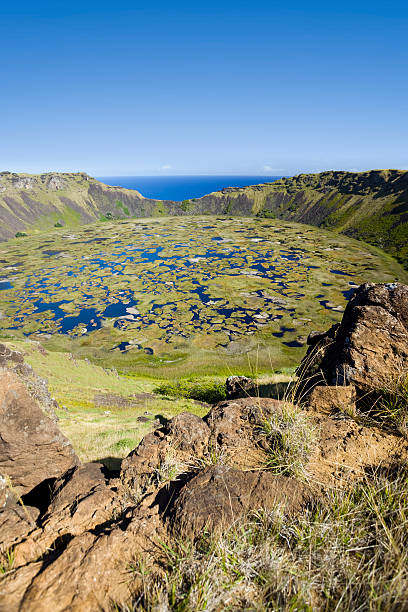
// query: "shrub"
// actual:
[[20, 234], [107, 216], [266, 214], [58, 224], [185, 205], [209, 392]]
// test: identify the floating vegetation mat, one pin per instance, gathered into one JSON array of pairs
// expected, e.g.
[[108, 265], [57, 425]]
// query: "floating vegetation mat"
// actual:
[[203, 291]]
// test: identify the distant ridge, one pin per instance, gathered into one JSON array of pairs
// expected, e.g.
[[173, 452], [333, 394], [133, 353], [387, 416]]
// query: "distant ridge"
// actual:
[[35, 202], [370, 206]]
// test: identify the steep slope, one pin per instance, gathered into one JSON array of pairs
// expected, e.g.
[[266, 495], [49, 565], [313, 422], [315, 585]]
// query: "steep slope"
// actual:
[[370, 206], [41, 201]]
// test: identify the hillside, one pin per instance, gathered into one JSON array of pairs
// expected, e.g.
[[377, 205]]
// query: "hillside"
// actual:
[[40, 201], [370, 206]]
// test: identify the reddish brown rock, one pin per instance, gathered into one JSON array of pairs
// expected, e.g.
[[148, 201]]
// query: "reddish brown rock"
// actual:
[[80, 501], [16, 522], [36, 386], [239, 386], [184, 437], [92, 571], [220, 495], [231, 429], [345, 450], [32, 449], [369, 348], [237, 430]]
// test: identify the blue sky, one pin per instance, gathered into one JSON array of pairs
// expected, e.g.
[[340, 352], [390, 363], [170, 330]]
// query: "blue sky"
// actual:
[[124, 88]]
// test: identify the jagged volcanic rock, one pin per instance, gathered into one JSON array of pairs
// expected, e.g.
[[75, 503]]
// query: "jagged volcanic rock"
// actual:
[[369, 348]]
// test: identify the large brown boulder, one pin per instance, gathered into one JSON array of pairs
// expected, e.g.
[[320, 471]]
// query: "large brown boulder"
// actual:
[[184, 437], [232, 430], [221, 494], [96, 570], [32, 449], [369, 348], [237, 430]]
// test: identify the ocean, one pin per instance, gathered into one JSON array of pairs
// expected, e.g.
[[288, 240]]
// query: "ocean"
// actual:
[[180, 188]]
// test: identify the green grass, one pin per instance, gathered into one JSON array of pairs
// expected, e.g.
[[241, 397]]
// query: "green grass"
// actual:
[[97, 431], [209, 391], [70, 219], [125, 209], [6, 561], [290, 436], [187, 205]]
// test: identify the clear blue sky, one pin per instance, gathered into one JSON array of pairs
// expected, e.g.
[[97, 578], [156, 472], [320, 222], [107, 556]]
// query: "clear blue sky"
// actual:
[[210, 87]]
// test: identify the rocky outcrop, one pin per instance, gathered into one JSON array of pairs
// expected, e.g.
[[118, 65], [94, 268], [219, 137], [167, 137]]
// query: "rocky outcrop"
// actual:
[[231, 433], [83, 551], [80, 500], [32, 449], [369, 348], [16, 523], [36, 386], [75, 537]]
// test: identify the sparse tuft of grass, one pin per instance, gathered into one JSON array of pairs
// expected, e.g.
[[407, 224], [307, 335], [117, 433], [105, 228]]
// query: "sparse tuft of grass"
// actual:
[[215, 456], [290, 435], [7, 561], [169, 468], [391, 408]]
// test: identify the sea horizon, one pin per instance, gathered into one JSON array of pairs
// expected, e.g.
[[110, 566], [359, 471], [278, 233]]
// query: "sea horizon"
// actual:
[[183, 187]]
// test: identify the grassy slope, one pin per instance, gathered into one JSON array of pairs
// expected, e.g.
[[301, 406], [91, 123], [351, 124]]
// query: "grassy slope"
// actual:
[[106, 430], [347, 552], [370, 206], [31, 203]]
